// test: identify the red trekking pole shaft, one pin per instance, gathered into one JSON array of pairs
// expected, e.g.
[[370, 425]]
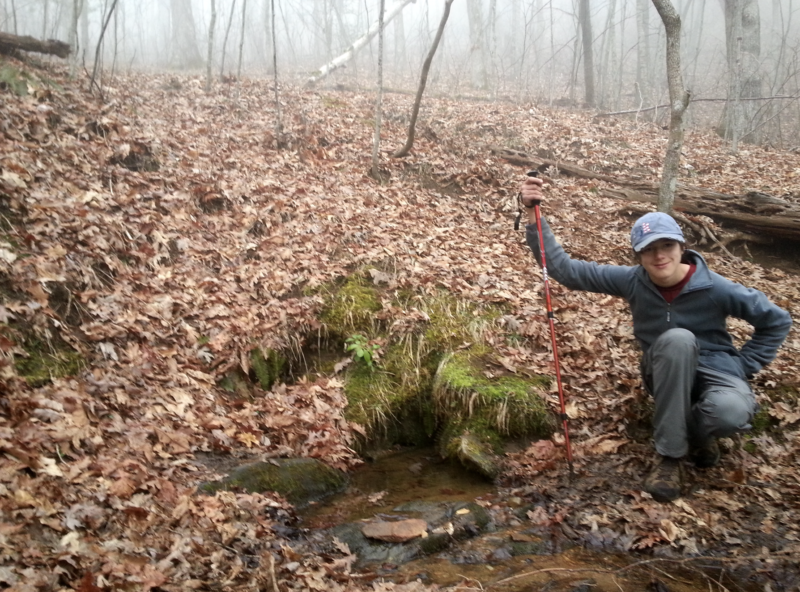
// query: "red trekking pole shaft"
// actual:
[[551, 320]]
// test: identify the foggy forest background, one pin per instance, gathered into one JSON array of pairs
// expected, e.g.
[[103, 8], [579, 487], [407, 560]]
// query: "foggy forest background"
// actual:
[[732, 51]]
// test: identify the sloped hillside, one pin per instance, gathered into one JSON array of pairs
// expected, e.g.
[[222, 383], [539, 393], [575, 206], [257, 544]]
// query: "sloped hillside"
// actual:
[[153, 238]]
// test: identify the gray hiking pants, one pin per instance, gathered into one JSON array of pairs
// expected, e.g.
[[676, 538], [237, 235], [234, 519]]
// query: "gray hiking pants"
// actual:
[[692, 403]]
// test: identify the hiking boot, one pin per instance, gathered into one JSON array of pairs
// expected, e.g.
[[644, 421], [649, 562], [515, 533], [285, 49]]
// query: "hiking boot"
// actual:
[[705, 455], [664, 482]]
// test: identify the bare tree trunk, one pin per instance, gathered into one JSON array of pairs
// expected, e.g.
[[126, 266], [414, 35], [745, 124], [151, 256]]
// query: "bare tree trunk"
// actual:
[[511, 45], [643, 51], [358, 44], [698, 27], [588, 51], [376, 144], [621, 64], [85, 45], [400, 43], [551, 74], [93, 80], [743, 42], [45, 19], [115, 53], [185, 53], [679, 100], [609, 56], [77, 6], [491, 27], [210, 56], [268, 45], [278, 122], [225, 40], [241, 40], [14, 16], [344, 36], [322, 20], [477, 40], [426, 66]]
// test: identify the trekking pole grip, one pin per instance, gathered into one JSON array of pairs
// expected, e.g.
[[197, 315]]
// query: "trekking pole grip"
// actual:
[[535, 202]]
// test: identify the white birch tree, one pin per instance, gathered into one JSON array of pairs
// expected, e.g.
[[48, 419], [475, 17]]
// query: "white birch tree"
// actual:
[[358, 44]]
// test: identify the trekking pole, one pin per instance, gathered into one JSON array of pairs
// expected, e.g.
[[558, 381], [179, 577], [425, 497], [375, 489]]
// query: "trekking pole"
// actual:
[[551, 319]]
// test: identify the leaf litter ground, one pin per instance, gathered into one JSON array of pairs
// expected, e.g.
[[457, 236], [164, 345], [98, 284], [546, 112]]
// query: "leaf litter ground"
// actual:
[[165, 279]]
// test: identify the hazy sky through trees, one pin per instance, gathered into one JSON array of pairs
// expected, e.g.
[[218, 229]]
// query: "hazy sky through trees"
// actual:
[[515, 49]]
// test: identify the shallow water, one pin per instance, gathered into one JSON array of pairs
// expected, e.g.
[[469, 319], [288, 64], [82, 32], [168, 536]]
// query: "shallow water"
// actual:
[[489, 561], [396, 478]]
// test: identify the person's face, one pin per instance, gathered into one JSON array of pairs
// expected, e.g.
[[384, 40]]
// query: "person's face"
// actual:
[[662, 262]]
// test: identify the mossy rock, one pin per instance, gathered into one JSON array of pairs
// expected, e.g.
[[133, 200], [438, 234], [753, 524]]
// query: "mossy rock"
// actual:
[[509, 404], [300, 480], [477, 413], [473, 452]]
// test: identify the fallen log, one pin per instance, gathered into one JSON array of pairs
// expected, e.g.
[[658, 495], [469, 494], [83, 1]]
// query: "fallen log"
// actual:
[[753, 212], [11, 44]]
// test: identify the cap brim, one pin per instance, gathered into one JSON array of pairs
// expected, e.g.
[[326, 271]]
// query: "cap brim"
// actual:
[[654, 237]]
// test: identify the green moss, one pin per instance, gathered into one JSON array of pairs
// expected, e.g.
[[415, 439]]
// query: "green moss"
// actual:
[[472, 444], [351, 307], [14, 79], [762, 421], [390, 411], [434, 543], [412, 396], [509, 404], [45, 362], [454, 322], [268, 367], [369, 396], [481, 431], [479, 514], [299, 480]]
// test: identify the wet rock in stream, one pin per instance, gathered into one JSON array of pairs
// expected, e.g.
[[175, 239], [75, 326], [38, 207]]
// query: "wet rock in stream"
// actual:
[[299, 480], [448, 523]]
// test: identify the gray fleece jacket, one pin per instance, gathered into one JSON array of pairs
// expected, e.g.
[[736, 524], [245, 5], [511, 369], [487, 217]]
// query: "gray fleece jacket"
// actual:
[[702, 307]]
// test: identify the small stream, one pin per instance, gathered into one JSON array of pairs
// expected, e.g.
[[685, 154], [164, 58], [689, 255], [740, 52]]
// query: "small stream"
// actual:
[[396, 478], [509, 555]]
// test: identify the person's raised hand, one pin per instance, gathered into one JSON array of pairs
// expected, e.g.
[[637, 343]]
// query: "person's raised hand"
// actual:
[[531, 191]]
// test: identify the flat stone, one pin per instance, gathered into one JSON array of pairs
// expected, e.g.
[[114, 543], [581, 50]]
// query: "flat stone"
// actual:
[[396, 532]]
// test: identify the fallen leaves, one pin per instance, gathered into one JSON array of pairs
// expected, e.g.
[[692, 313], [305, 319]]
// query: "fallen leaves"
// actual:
[[175, 274]]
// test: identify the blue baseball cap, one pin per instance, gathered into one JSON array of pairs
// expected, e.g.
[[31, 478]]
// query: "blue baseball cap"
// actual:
[[652, 227]]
